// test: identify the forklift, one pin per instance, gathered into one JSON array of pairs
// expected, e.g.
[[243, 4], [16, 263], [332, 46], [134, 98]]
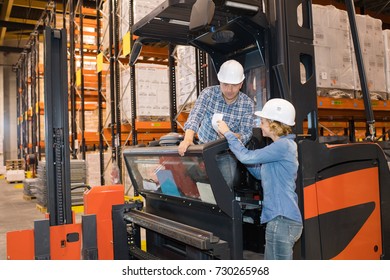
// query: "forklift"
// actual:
[[188, 211]]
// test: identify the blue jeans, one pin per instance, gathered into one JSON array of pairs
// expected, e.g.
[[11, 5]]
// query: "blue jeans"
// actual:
[[280, 236], [227, 164]]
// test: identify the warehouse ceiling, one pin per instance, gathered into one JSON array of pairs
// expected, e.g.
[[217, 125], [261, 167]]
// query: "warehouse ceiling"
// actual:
[[19, 18], [377, 6]]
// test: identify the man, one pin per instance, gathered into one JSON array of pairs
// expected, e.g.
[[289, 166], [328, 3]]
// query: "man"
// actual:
[[226, 99]]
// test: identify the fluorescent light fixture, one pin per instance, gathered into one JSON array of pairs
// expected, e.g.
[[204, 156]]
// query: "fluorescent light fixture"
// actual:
[[179, 22], [241, 6]]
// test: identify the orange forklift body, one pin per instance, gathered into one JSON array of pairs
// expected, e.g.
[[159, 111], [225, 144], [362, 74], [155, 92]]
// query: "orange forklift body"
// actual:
[[344, 191], [99, 201]]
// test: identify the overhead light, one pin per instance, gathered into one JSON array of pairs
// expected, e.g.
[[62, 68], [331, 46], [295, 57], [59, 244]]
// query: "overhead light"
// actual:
[[202, 14], [243, 6], [179, 22]]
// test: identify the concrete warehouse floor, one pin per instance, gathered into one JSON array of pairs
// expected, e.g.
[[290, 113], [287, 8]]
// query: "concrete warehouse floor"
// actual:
[[16, 213]]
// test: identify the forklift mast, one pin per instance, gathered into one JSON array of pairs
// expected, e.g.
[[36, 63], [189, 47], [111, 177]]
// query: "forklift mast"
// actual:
[[56, 128], [293, 61]]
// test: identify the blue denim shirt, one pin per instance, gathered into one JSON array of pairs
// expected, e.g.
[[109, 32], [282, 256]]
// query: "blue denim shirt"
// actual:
[[276, 165], [238, 115]]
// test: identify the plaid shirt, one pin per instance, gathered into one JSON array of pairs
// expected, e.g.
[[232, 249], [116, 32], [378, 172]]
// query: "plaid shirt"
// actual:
[[238, 115]]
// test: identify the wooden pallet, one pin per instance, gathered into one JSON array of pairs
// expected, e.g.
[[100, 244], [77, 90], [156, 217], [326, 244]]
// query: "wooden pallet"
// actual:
[[14, 182], [41, 208], [14, 164], [28, 197]]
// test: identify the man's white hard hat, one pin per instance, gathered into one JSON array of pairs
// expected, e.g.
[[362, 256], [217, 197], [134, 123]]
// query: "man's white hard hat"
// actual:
[[278, 109], [231, 72]]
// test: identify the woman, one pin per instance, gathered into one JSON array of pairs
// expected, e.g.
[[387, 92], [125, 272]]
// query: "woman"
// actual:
[[276, 165]]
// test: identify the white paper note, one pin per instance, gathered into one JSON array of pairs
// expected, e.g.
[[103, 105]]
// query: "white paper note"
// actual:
[[216, 117]]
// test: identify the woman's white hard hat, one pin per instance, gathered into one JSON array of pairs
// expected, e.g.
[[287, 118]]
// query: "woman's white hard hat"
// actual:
[[278, 109], [231, 72]]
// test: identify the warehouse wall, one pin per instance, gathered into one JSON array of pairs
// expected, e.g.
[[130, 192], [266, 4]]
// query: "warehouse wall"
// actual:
[[8, 112]]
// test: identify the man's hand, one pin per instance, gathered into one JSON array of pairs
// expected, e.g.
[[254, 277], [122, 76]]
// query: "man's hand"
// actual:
[[222, 127], [184, 145], [187, 141]]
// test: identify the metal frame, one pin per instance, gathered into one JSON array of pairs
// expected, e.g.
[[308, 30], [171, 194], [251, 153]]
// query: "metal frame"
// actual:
[[56, 127], [361, 70], [100, 99], [18, 110], [38, 108], [172, 88], [72, 80], [83, 146]]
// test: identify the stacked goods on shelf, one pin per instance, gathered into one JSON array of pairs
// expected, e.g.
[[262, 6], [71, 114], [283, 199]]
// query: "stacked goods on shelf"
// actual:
[[14, 176], [140, 9], [152, 83], [126, 96], [78, 178], [89, 38], [386, 40], [40, 188], [93, 168], [91, 119], [124, 12], [152, 87], [14, 164], [333, 56], [105, 39], [30, 187], [336, 67], [42, 127], [373, 51], [152, 90], [186, 78]]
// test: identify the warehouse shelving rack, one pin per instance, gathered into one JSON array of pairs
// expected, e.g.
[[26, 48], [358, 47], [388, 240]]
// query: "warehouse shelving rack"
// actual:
[[110, 55], [100, 94], [27, 68], [30, 71], [343, 116], [337, 116], [126, 130]]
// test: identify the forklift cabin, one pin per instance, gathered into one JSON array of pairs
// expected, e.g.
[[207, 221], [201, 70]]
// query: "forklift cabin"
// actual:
[[189, 214]]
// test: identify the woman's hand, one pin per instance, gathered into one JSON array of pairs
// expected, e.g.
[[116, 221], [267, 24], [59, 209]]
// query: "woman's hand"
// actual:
[[222, 127]]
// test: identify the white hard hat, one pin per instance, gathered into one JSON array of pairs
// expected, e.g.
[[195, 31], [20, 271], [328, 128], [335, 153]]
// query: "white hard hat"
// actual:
[[231, 72], [278, 109]]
